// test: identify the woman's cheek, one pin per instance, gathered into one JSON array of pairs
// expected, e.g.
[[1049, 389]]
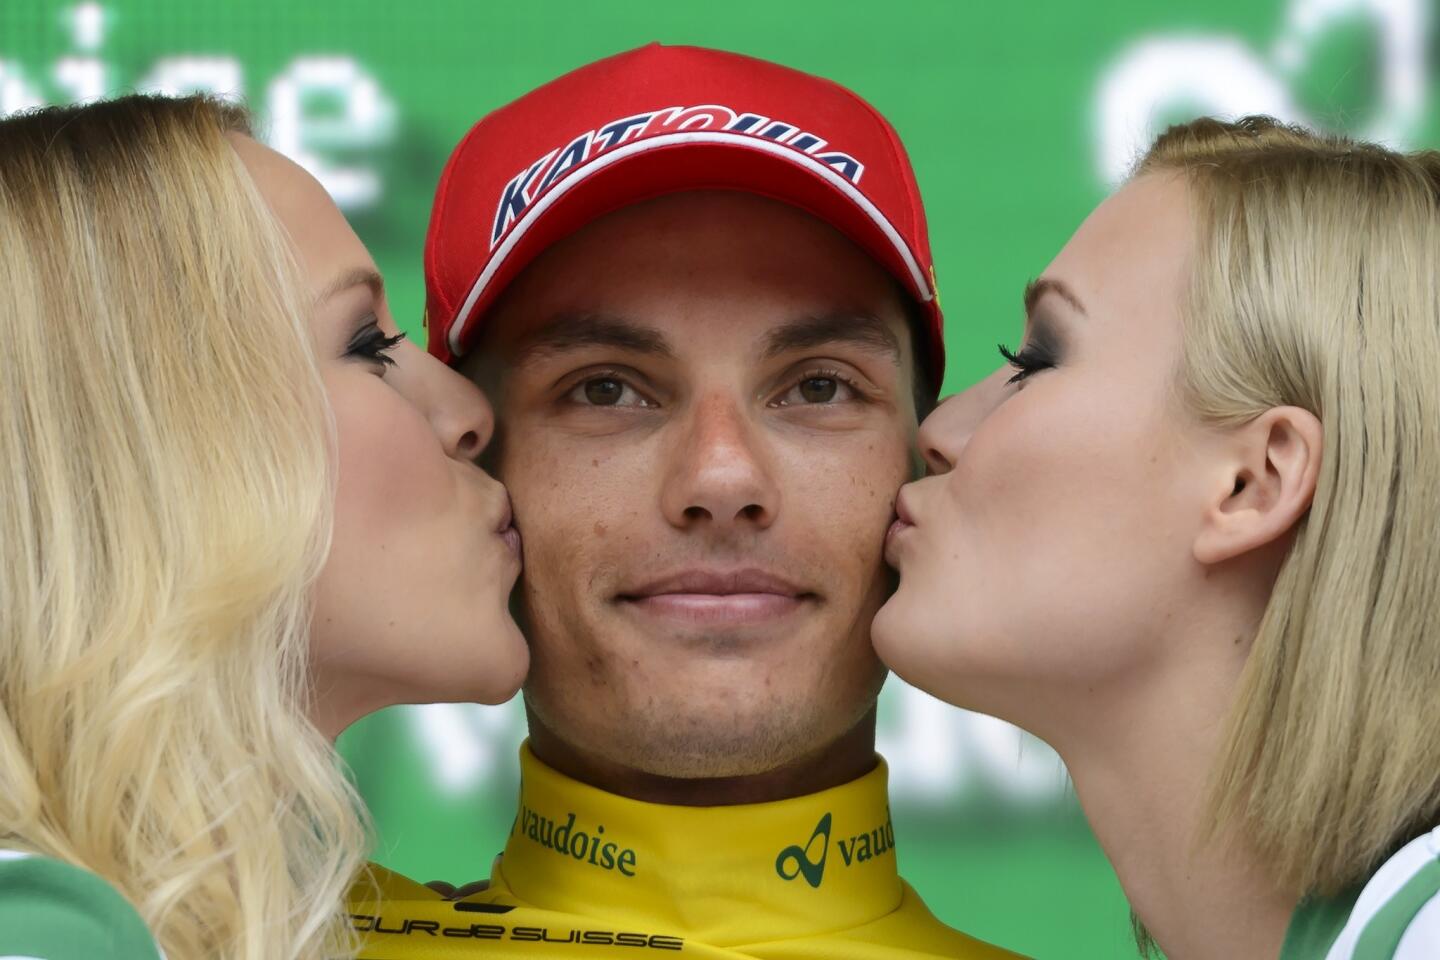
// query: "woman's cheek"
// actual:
[[388, 454], [1012, 500], [1000, 460]]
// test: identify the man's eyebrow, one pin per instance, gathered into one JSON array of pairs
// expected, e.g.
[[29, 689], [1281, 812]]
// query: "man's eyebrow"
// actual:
[[574, 331], [354, 277], [1040, 286], [859, 329]]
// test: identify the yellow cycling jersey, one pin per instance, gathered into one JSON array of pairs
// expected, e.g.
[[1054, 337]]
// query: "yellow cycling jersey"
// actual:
[[589, 874]]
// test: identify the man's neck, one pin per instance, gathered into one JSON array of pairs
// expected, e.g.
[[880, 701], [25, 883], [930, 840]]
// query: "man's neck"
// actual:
[[845, 759]]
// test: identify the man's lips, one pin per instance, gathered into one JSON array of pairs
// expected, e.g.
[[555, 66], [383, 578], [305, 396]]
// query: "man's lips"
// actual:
[[717, 597], [714, 581]]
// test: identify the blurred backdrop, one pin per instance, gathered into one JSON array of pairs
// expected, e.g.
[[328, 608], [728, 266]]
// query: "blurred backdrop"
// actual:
[[1018, 117]]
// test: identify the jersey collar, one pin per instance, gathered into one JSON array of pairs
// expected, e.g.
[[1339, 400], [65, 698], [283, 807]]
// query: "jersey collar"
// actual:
[[723, 875]]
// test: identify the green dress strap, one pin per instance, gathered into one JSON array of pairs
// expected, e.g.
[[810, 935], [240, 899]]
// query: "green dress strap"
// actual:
[[1393, 915], [51, 910], [1381, 937], [1316, 924]]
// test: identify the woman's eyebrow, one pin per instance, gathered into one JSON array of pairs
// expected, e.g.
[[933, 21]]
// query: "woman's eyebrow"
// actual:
[[1040, 286], [357, 276]]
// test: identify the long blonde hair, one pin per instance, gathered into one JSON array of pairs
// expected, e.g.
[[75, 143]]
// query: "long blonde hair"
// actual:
[[166, 473], [1316, 283]]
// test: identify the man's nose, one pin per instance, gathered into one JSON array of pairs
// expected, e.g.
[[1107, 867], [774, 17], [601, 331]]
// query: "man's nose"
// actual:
[[948, 429], [719, 471]]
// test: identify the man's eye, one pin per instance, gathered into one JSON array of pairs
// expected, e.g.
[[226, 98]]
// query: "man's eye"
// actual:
[[606, 392], [817, 389]]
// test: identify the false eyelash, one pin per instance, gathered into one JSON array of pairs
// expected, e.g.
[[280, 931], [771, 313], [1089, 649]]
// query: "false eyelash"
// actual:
[[371, 344], [1029, 361]]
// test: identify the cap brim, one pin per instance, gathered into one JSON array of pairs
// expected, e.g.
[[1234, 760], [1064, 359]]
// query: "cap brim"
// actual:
[[691, 163]]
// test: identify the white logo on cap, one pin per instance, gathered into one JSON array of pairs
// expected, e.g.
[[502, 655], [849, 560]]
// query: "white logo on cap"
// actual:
[[532, 182]]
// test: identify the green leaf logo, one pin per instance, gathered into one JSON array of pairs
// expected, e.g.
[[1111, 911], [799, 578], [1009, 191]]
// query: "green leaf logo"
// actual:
[[796, 861]]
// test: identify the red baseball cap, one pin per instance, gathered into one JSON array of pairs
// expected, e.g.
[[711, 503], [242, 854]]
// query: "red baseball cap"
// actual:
[[659, 120]]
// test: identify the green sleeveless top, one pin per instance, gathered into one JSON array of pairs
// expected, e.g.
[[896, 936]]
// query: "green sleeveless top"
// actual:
[[50, 910]]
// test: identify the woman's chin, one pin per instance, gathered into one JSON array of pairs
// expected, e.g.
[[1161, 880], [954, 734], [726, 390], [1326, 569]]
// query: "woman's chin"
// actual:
[[508, 658], [899, 636]]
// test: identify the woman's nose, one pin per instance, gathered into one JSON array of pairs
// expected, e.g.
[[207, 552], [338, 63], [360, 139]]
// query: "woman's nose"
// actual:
[[948, 429], [459, 412], [936, 442]]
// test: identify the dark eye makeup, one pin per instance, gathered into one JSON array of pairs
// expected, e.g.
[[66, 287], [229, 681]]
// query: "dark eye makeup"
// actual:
[[1028, 362], [372, 345], [1040, 352]]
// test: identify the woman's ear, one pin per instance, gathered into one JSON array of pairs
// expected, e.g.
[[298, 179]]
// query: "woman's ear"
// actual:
[[1265, 488]]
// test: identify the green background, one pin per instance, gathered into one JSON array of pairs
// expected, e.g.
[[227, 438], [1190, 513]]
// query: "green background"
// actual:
[[1002, 107]]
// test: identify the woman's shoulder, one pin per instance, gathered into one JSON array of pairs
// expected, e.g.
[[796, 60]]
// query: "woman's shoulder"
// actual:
[[1397, 914], [52, 910]]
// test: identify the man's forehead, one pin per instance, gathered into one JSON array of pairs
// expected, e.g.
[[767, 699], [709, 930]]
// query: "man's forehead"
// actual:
[[570, 331]]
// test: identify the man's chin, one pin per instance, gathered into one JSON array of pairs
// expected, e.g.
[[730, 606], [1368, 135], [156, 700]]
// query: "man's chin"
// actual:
[[693, 701], [728, 732], [701, 750]]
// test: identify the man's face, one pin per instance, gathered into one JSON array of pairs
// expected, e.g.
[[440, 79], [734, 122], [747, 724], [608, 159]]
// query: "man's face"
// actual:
[[705, 406]]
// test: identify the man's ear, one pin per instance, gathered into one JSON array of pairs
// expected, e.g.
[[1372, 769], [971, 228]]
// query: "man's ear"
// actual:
[[1266, 486]]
